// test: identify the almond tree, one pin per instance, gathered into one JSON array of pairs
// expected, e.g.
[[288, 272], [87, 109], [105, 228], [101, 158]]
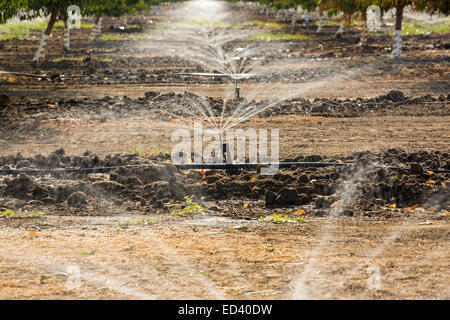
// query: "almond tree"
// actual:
[[57, 9], [429, 6]]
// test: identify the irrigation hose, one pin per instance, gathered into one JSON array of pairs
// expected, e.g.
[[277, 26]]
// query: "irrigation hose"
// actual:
[[24, 74], [218, 166]]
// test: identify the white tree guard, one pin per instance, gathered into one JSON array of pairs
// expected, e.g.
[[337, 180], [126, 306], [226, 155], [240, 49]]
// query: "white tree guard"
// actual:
[[123, 21], [96, 30], [306, 21], [117, 24], [397, 49], [363, 39], [67, 38], [277, 16], [341, 27], [294, 18], [319, 27], [40, 53]]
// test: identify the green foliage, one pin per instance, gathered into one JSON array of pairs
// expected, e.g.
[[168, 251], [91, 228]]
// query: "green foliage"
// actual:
[[80, 59], [29, 9], [280, 218], [414, 28], [114, 8], [90, 253], [190, 207], [265, 36], [12, 214], [126, 224], [21, 30], [265, 24], [149, 151], [10, 8]]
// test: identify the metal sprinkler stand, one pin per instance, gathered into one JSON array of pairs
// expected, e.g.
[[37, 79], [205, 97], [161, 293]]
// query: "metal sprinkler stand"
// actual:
[[228, 160], [236, 90], [236, 77]]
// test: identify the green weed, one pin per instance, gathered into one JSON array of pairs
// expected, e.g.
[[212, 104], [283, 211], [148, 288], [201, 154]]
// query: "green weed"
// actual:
[[265, 36], [259, 23], [23, 30], [416, 27], [190, 207], [80, 59], [110, 37], [149, 151], [126, 224], [12, 214], [280, 218]]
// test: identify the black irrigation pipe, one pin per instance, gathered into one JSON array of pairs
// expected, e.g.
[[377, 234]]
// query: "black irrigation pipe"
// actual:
[[24, 74], [218, 166], [67, 170]]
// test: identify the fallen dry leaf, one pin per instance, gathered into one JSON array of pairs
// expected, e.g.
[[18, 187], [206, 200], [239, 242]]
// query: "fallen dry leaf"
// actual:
[[412, 207]]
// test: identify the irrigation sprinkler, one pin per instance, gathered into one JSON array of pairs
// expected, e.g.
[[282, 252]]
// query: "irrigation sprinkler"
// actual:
[[235, 76]]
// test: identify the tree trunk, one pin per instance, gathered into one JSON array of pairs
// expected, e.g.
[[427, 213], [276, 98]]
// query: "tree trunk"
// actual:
[[399, 16], [51, 22], [363, 39], [319, 27], [364, 15], [397, 49], [40, 53]]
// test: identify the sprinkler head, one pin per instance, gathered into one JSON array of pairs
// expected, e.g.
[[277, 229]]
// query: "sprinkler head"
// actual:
[[237, 93]]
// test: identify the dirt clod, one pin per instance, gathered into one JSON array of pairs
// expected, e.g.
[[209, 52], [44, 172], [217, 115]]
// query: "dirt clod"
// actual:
[[77, 198]]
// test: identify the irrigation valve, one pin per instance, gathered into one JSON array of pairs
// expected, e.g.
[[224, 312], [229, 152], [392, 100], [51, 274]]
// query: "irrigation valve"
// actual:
[[74, 277]]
